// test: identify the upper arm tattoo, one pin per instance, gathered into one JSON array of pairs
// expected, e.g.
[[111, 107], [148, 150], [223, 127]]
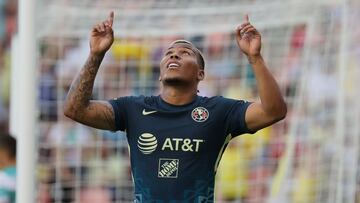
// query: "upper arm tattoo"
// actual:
[[101, 115]]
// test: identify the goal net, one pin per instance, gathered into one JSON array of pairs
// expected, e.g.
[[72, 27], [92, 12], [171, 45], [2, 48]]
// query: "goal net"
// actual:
[[311, 47]]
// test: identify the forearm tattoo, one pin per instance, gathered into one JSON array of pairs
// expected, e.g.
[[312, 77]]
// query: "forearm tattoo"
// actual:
[[81, 89]]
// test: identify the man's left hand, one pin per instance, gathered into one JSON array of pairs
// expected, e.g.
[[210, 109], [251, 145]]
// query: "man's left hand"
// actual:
[[248, 38]]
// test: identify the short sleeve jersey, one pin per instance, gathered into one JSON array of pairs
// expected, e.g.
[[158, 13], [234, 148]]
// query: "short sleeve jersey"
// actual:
[[175, 150]]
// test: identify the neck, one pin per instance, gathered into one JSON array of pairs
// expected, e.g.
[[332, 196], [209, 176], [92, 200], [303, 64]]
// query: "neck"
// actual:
[[177, 95]]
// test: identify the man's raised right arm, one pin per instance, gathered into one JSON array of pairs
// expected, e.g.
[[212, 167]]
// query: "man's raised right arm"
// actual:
[[78, 106]]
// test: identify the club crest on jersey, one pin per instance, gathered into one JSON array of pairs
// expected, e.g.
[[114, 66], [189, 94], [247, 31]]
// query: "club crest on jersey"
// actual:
[[200, 114]]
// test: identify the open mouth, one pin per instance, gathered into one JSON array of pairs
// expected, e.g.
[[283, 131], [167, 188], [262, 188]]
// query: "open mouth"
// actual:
[[173, 65]]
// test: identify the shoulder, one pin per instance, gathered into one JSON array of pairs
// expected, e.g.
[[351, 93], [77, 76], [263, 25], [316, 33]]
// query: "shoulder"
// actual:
[[224, 106], [129, 98], [134, 100], [220, 100]]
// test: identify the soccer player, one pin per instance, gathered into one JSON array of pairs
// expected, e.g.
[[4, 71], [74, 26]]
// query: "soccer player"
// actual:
[[176, 139], [7, 168]]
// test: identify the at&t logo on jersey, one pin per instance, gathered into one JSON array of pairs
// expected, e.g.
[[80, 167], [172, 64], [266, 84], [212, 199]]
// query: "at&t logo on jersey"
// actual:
[[200, 114], [147, 143]]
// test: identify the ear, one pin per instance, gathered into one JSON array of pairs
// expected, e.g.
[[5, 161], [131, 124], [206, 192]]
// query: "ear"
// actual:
[[160, 78], [201, 75]]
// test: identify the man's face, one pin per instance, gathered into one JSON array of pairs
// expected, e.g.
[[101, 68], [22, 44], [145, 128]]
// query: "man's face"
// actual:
[[180, 65]]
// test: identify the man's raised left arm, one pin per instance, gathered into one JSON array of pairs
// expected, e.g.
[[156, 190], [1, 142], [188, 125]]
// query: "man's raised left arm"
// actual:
[[272, 106]]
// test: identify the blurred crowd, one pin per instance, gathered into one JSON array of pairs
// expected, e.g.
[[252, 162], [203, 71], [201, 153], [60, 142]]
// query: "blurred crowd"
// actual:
[[8, 26]]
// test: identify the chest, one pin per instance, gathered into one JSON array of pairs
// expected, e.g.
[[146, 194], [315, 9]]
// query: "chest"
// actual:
[[191, 131]]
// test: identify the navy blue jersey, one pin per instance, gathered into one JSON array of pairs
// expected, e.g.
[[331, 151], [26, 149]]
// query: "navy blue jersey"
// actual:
[[175, 150]]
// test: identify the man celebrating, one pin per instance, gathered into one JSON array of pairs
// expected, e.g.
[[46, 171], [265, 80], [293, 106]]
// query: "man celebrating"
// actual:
[[177, 138]]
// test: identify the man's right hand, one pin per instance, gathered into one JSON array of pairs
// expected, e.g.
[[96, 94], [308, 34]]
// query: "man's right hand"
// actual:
[[102, 36]]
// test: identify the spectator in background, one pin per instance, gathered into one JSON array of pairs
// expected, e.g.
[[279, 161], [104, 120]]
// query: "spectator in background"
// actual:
[[7, 168], [10, 26]]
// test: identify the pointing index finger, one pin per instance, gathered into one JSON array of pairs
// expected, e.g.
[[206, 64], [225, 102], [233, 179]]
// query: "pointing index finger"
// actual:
[[246, 17], [111, 18]]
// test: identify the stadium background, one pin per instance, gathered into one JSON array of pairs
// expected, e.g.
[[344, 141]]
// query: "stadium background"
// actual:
[[311, 47]]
